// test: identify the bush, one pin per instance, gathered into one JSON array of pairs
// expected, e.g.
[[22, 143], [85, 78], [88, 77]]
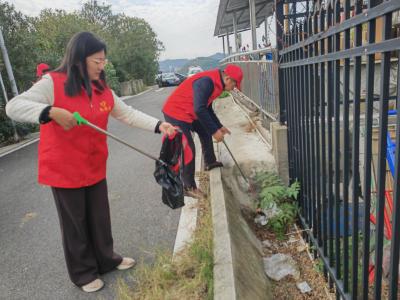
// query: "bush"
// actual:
[[7, 129], [273, 193], [112, 78]]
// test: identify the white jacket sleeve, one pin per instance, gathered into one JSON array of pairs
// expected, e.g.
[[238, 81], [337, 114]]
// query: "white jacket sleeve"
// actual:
[[131, 116], [27, 106]]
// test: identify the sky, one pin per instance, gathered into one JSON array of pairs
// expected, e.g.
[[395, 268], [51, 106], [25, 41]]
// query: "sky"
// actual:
[[186, 27]]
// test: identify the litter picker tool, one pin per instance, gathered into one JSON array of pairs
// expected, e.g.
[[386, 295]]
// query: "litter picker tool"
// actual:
[[250, 185], [82, 121], [236, 163], [170, 181]]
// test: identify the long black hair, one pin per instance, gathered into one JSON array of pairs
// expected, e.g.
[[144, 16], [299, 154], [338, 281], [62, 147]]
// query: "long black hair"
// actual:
[[80, 46]]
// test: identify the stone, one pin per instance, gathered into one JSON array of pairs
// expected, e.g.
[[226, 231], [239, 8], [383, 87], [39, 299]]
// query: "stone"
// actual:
[[261, 220], [303, 287], [267, 244], [301, 248], [281, 265], [271, 211]]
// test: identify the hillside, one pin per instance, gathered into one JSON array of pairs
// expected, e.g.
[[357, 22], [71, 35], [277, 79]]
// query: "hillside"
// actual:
[[182, 65], [171, 64], [206, 63]]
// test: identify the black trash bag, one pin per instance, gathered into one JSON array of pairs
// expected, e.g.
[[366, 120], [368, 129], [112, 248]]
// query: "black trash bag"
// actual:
[[169, 171]]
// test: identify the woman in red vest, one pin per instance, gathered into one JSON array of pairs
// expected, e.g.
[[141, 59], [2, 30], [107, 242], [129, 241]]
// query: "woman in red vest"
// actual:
[[190, 108], [72, 159]]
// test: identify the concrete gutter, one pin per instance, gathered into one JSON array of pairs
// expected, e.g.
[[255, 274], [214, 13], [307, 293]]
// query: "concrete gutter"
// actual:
[[238, 264]]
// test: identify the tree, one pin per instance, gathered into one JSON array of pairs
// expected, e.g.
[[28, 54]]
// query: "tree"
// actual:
[[134, 49], [53, 30], [97, 14], [112, 78], [17, 31], [132, 45]]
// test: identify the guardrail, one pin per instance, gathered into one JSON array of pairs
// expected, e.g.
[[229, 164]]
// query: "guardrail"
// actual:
[[260, 79]]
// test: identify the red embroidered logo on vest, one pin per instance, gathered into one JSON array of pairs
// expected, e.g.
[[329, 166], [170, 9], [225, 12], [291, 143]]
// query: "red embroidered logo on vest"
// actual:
[[104, 107]]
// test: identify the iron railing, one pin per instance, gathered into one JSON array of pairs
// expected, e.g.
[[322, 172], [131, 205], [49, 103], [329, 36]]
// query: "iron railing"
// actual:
[[260, 80], [339, 80]]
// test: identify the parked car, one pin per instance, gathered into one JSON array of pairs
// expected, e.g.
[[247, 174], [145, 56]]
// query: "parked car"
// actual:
[[181, 77], [170, 79], [157, 78], [194, 70]]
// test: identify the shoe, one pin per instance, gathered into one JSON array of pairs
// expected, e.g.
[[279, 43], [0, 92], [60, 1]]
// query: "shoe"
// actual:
[[215, 164], [93, 286], [126, 263], [194, 193]]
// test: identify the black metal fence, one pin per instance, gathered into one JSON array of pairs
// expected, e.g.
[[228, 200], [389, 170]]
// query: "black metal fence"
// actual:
[[339, 81]]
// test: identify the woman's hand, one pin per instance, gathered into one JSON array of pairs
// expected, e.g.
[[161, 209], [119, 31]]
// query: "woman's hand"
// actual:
[[62, 117], [166, 128]]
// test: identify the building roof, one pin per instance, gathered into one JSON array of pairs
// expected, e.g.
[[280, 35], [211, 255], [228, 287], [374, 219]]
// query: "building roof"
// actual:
[[224, 25]]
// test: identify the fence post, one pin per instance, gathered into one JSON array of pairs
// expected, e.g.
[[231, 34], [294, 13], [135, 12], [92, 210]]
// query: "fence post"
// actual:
[[279, 45]]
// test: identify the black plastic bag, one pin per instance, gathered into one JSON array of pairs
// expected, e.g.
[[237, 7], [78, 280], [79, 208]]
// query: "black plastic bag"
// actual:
[[169, 171]]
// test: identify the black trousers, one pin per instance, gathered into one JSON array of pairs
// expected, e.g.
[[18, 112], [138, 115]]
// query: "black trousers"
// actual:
[[206, 145], [84, 216]]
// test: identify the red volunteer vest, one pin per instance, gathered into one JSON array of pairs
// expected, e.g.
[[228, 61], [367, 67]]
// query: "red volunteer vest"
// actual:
[[179, 104], [77, 157]]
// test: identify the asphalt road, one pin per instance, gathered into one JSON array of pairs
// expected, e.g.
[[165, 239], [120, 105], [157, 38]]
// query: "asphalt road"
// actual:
[[32, 262]]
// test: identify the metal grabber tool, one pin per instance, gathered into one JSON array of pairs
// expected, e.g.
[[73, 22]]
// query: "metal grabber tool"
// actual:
[[82, 121]]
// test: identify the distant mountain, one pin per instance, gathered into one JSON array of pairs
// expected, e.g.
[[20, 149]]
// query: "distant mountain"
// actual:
[[171, 65], [217, 56], [206, 63], [182, 65]]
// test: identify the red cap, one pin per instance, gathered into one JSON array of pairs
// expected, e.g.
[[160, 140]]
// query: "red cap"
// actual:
[[234, 72], [41, 69]]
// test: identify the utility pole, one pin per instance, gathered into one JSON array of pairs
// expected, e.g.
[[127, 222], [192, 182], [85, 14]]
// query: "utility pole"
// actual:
[[8, 65], [16, 136], [253, 23], [10, 77]]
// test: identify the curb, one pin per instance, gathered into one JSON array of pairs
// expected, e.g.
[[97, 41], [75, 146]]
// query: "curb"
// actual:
[[34, 137], [224, 281], [126, 98]]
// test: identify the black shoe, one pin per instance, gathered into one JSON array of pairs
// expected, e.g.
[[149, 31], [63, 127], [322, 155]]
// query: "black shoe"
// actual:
[[215, 164]]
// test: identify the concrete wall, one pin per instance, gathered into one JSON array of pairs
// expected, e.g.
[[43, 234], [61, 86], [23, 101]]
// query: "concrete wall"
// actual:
[[132, 87]]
